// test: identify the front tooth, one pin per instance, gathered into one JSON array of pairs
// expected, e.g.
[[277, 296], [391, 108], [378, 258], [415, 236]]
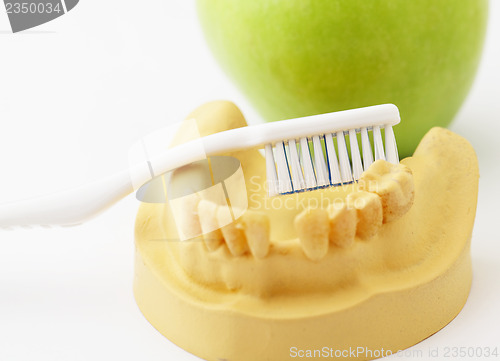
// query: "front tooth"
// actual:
[[312, 226], [232, 232], [343, 222], [394, 184], [212, 235], [185, 211], [256, 228], [368, 208]]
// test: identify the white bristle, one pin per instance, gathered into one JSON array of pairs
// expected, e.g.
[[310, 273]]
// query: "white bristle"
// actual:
[[357, 168], [297, 176], [345, 166], [322, 178], [378, 143], [309, 177], [391, 148], [272, 177], [367, 149], [284, 179], [289, 172], [333, 162], [313, 161]]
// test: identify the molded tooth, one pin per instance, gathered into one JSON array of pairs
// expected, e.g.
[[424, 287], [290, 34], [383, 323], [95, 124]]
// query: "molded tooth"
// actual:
[[368, 208], [312, 226], [232, 232], [212, 235], [186, 216], [343, 222], [394, 184], [256, 228]]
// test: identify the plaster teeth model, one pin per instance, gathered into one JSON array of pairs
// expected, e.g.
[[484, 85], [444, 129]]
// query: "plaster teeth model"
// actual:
[[379, 264]]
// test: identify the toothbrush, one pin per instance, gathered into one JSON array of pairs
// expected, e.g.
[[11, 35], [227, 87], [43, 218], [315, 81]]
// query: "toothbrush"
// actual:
[[290, 165]]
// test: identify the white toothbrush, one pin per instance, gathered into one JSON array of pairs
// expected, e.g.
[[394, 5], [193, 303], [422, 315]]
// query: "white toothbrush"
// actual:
[[288, 168]]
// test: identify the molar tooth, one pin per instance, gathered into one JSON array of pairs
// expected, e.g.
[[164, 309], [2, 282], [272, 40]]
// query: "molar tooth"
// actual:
[[343, 222], [394, 184], [312, 227], [368, 208], [232, 232], [256, 228], [398, 201], [212, 235]]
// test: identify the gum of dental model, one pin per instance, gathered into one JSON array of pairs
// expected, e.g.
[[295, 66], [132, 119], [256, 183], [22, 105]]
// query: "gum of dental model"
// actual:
[[393, 183], [313, 227], [410, 280]]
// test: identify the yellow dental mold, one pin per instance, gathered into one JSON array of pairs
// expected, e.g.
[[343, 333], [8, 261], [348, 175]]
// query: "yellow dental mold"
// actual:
[[354, 272]]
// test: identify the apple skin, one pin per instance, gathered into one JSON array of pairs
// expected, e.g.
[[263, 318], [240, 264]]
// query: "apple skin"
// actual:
[[294, 58]]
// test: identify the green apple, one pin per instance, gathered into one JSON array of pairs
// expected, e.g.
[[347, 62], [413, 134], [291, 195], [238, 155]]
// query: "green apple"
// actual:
[[301, 57]]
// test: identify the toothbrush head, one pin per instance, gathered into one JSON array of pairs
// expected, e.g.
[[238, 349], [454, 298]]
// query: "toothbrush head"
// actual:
[[322, 160]]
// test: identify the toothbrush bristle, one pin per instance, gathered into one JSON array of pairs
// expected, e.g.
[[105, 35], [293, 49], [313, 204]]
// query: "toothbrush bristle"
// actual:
[[322, 177], [367, 148], [390, 145], [345, 166], [284, 178], [307, 165], [298, 181], [333, 164], [357, 168], [379, 145], [272, 176], [321, 164]]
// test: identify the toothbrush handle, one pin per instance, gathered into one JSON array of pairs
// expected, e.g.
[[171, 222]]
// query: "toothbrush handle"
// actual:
[[80, 204], [69, 207]]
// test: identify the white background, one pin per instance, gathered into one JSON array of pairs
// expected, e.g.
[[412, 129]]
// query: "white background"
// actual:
[[74, 95]]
